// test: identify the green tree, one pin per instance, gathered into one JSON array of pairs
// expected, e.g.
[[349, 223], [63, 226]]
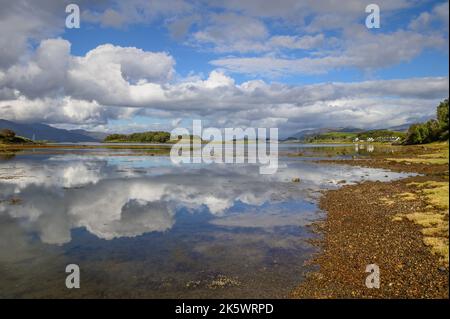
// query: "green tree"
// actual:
[[415, 134], [145, 137], [432, 130], [115, 137], [442, 117]]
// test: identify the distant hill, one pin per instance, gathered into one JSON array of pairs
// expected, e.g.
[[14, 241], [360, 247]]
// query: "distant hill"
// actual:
[[386, 136], [400, 128], [43, 132], [99, 136], [348, 135], [305, 134]]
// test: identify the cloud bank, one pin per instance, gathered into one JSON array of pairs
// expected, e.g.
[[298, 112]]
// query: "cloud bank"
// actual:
[[42, 81]]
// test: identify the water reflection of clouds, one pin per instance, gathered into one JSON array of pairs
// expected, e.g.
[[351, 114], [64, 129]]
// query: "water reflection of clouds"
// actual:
[[262, 220], [121, 200], [77, 194]]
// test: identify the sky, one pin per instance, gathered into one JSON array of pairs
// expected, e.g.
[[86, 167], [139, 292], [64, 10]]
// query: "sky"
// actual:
[[158, 64]]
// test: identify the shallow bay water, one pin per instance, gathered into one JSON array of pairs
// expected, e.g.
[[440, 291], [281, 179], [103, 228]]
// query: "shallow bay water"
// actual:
[[142, 227]]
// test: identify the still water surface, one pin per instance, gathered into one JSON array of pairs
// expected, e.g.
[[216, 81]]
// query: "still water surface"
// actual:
[[141, 227]]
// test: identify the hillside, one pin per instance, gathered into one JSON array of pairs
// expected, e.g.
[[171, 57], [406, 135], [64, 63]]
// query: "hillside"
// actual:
[[9, 137], [43, 132], [98, 136], [305, 134], [382, 136], [346, 134]]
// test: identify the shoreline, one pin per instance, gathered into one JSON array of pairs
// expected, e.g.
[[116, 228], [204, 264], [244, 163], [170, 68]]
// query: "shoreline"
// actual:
[[80, 146], [148, 150], [378, 223]]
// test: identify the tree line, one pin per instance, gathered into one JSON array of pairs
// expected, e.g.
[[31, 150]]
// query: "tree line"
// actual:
[[432, 130], [145, 137]]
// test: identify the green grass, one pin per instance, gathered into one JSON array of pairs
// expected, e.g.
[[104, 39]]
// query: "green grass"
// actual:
[[433, 221], [439, 155]]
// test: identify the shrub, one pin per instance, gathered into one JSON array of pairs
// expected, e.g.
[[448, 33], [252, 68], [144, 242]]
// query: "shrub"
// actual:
[[7, 133]]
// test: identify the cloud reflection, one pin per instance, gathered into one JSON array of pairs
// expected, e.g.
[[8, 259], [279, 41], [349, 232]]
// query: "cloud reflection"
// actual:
[[119, 199]]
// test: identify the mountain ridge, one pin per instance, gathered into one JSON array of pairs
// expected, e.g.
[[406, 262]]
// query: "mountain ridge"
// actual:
[[44, 132]]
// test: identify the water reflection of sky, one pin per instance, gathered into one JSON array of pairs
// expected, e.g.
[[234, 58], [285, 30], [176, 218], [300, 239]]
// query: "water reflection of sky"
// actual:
[[192, 223]]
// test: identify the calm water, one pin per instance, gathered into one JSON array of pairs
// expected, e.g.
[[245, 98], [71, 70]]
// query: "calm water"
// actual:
[[139, 226]]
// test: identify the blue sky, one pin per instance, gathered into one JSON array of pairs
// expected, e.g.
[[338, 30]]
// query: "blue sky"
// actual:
[[142, 65], [156, 37]]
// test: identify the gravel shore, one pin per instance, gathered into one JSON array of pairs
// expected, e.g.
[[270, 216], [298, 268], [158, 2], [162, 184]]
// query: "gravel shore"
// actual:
[[362, 227]]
